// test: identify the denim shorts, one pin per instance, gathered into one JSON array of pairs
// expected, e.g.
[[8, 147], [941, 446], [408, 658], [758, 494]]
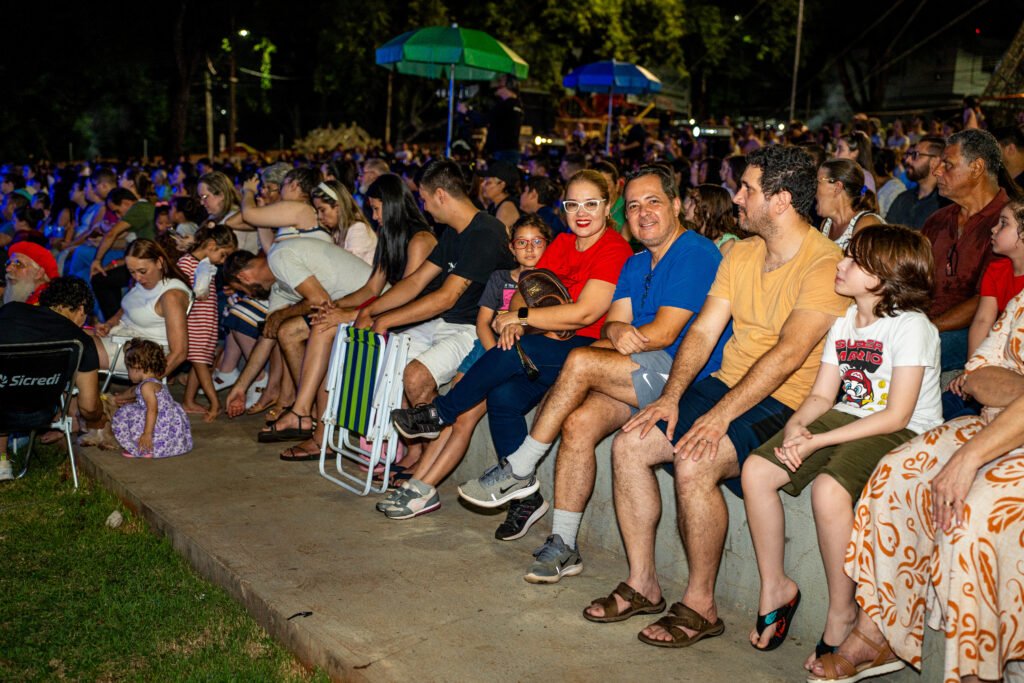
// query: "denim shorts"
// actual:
[[473, 356], [746, 432]]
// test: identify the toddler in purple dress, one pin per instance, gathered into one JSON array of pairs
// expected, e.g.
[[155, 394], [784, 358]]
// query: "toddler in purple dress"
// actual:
[[154, 425]]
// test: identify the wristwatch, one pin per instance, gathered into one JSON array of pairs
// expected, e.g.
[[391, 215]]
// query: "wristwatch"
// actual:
[[522, 315]]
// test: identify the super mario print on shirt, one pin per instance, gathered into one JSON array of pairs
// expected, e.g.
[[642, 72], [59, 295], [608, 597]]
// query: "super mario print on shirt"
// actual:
[[866, 357], [859, 360]]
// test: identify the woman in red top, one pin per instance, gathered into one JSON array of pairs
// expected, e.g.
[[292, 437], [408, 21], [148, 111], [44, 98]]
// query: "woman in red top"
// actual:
[[587, 261]]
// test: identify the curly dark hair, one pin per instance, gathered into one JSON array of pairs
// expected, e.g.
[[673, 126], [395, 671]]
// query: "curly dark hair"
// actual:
[[901, 259], [787, 169], [713, 212], [68, 292], [145, 355], [1016, 207]]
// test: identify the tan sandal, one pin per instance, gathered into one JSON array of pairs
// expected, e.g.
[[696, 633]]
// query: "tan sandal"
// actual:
[[679, 617], [638, 604], [839, 668]]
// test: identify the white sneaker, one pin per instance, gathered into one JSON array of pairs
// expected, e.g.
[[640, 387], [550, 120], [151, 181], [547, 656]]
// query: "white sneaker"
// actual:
[[224, 380], [6, 469], [252, 395]]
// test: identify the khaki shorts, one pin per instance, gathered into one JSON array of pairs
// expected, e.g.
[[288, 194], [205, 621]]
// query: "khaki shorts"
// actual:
[[440, 347], [850, 463]]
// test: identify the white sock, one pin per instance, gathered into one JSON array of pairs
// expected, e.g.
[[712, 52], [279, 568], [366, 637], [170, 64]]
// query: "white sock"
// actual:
[[524, 460], [566, 524]]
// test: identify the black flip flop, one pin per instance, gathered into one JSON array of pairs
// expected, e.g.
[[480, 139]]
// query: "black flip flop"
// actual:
[[782, 619], [306, 457], [275, 435]]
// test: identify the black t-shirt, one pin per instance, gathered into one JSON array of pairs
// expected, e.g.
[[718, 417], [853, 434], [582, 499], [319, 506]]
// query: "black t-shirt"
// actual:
[[506, 118], [474, 254], [23, 324]]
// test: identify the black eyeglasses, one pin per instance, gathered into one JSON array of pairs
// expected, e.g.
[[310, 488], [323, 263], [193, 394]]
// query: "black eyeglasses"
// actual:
[[952, 260], [647, 287], [915, 154]]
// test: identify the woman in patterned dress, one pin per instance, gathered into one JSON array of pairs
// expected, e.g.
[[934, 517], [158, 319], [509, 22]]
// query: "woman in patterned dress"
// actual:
[[939, 533]]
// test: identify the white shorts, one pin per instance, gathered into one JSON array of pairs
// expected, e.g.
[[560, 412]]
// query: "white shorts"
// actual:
[[440, 347]]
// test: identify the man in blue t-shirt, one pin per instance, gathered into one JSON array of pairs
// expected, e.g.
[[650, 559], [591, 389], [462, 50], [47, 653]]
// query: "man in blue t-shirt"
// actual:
[[659, 293]]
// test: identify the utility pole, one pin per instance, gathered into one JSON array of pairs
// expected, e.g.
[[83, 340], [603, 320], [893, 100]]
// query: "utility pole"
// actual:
[[796, 59], [387, 122], [208, 81], [232, 88]]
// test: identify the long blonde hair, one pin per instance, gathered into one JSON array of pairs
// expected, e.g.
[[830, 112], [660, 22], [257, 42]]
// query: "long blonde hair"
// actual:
[[222, 186]]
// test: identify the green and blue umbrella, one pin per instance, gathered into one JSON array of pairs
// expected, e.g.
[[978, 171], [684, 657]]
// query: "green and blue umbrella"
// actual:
[[459, 53]]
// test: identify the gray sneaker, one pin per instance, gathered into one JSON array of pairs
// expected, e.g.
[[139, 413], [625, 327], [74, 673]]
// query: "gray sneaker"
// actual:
[[6, 469], [497, 486], [554, 560], [392, 495], [413, 502]]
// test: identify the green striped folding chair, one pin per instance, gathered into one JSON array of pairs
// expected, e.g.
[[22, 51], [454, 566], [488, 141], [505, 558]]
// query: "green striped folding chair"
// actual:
[[364, 382]]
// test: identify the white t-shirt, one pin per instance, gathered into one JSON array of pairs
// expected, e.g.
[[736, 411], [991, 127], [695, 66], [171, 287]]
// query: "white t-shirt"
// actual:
[[293, 261], [866, 357]]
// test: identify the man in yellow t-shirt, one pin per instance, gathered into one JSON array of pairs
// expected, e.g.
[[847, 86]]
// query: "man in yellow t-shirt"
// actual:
[[777, 289]]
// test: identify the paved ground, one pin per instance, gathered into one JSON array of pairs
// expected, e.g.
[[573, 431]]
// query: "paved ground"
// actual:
[[430, 599]]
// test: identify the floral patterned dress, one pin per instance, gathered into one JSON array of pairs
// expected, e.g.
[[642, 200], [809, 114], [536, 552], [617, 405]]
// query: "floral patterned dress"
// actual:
[[969, 584], [172, 434]]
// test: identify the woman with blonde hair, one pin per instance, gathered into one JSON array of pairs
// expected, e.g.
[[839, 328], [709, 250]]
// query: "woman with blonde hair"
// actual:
[[338, 213]]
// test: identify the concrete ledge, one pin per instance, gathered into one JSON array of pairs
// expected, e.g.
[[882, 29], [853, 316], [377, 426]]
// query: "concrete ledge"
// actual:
[[430, 599], [738, 580]]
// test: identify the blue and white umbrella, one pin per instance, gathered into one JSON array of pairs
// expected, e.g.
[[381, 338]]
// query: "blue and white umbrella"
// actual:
[[612, 76]]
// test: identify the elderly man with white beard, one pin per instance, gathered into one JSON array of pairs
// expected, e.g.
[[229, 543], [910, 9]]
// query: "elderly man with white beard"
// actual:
[[30, 267]]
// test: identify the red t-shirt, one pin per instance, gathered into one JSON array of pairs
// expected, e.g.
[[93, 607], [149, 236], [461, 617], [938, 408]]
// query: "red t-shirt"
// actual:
[[1000, 282], [603, 261]]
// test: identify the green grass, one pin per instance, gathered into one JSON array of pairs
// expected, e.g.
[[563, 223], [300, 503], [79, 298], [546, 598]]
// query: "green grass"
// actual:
[[80, 601]]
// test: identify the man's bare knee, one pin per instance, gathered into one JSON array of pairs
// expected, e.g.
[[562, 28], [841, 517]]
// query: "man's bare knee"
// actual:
[[630, 451], [293, 331], [705, 473], [419, 383]]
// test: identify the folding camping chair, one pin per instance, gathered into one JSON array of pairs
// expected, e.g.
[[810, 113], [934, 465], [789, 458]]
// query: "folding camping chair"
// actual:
[[36, 381], [364, 384]]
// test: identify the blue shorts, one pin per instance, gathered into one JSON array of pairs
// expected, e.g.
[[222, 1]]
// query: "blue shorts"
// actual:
[[747, 432], [475, 354], [247, 317]]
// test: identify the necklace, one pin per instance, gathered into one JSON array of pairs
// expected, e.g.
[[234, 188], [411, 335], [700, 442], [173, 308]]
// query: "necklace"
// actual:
[[770, 266]]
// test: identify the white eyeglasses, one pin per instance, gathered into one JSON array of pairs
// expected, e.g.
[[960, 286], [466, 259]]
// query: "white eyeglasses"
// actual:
[[590, 205]]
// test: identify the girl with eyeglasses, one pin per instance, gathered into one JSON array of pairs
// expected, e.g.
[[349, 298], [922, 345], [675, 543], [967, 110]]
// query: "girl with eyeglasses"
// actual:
[[418, 495]]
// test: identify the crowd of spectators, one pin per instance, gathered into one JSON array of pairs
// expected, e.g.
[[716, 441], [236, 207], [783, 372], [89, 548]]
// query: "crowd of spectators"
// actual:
[[725, 287]]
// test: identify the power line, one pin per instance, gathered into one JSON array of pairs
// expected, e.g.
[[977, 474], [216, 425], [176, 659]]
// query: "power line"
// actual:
[[903, 55]]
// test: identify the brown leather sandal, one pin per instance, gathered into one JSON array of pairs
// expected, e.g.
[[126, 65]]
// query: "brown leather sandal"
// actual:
[[638, 604], [839, 668], [679, 617]]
